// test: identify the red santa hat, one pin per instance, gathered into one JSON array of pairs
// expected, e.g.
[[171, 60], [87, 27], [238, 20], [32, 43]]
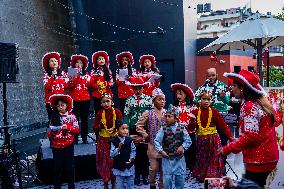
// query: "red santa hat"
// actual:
[[184, 87], [47, 56], [124, 54], [135, 81], [100, 53], [66, 98], [247, 79], [148, 56], [83, 58]]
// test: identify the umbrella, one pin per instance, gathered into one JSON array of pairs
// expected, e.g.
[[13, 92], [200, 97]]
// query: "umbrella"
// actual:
[[257, 32]]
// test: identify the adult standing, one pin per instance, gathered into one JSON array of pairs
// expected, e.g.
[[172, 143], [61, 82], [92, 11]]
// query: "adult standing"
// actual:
[[218, 89], [257, 140]]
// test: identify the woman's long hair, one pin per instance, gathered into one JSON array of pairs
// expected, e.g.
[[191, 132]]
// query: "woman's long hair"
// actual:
[[250, 95], [129, 67], [49, 71], [188, 101], [105, 70]]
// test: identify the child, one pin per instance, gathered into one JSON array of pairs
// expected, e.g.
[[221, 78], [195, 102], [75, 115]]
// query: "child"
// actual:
[[105, 129], [55, 81], [63, 127], [171, 141], [152, 120], [208, 164], [134, 108], [124, 61], [184, 102], [123, 152], [147, 69], [101, 78], [78, 90]]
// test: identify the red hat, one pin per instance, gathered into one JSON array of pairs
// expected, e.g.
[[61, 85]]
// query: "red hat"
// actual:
[[65, 98], [100, 53], [248, 79], [184, 87], [47, 56], [79, 57], [135, 81], [148, 56], [124, 54]]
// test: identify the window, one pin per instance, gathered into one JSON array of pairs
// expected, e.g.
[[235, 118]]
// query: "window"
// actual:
[[237, 69]]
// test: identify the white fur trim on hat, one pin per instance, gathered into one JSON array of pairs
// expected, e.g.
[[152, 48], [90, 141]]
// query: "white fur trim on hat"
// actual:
[[261, 91]]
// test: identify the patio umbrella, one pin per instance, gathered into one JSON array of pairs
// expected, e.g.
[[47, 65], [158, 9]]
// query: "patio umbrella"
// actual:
[[257, 32]]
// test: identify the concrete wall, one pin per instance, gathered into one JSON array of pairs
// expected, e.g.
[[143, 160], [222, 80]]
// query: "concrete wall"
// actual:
[[35, 26]]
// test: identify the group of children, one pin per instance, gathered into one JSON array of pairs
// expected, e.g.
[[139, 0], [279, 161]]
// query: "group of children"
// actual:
[[141, 138]]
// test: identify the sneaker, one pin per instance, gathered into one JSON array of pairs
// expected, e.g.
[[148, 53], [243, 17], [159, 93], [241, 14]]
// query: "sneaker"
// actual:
[[137, 182], [145, 181]]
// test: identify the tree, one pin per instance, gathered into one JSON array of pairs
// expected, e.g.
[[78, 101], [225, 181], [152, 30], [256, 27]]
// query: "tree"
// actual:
[[276, 78]]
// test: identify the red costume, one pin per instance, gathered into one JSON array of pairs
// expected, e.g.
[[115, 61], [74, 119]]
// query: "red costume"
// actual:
[[258, 140], [54, 85], [208, 165], [64, 138], [103, 159]]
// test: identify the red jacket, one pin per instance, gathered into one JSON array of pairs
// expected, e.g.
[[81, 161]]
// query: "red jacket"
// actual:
[[78, 88], [186, 117], [258, 140], [98, 84], [54, 86], [124, 91], [149, 87], [63, 138]]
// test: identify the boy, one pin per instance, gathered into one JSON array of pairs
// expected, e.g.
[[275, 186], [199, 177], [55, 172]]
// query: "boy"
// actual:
[[153, 120], [171, 141]]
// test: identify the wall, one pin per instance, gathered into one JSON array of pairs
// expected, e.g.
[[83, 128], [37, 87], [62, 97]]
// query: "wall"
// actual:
[[34, 26], [168, 48]]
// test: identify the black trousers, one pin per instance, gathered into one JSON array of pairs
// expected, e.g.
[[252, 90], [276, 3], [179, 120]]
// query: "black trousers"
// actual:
[[97, 105], [190, 153], [257, 177], [81, 111], [141, 160], [63, 160], [122, 102], [49, 111]]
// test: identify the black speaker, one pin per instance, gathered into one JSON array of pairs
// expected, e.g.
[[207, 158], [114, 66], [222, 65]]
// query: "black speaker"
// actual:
[[8, 62]]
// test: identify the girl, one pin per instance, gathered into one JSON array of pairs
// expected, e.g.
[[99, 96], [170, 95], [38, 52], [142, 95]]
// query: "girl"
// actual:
[[147, 69], [105, 129], [124, 61], [78, 89], [63, 127], [123, 152], [208, 120], [184, 97], [258, 140], [101, 78], [55, 81]]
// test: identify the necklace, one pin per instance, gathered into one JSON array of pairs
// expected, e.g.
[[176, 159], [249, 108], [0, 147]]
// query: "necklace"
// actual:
[[113, 120], [209, 118]]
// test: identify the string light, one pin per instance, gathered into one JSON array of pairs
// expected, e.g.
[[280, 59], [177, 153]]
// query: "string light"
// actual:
[[113, 25], [167, 3], [87, 37]]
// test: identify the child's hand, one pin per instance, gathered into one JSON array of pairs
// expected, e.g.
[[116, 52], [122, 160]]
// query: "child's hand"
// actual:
[[282, 144], [164, 154], [129, 161], [120, 145], [111, 129], [64, 126], [222, 94], [180, 150]]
